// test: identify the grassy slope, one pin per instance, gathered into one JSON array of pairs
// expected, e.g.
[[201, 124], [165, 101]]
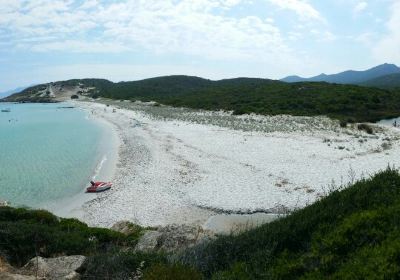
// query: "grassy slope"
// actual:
[[248, 95], [352, 234]]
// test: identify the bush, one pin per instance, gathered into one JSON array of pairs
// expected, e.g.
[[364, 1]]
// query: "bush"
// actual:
[[119, 265], [171, 272], [343, 123], [74, 96], [25, 233], [368, 129]]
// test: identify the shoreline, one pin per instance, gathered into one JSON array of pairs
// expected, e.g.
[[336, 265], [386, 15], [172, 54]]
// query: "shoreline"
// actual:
[[167, 174], [72, 207], [180, 166]]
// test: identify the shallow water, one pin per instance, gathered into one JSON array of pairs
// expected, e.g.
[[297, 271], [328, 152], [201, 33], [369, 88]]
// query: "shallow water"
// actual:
[[46, 153]]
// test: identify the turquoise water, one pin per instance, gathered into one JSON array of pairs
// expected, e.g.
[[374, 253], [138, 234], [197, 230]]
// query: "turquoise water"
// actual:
[[46, 153]]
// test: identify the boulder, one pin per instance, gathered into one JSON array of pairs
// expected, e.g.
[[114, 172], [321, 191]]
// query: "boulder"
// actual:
[[126, 227], [149, 241], [177, 237], [54, 268], [12, 276], [4, 266], [173, 238]]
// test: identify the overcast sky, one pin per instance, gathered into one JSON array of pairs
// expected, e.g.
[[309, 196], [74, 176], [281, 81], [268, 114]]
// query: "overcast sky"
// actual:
[[47, 40]]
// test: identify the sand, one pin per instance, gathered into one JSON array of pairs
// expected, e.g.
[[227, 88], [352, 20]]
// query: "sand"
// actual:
[[185, 166]]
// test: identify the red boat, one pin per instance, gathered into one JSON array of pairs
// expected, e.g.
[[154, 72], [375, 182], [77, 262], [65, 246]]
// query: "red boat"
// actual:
[[98, 187]]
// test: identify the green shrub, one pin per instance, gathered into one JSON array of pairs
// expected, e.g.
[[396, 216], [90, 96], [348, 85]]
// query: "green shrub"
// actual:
[[171, 272], [27, 233], [368, 129], [343, 123], [118, 265]]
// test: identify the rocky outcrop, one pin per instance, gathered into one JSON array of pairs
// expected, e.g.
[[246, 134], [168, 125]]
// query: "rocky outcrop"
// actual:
[[4, 266], [126, 227], [7, 272], [12, 276], [150, 241], [173, 238], [54, 268]]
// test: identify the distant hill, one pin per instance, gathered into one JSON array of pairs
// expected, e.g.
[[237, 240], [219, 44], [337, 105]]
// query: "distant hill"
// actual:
[[388, 81], [12, 91], [350, 76], [349, 103]]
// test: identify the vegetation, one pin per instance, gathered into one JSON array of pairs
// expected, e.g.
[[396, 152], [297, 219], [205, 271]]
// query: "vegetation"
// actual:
[[345, 102], [368, 129], [387, 82], [348, 103], [351, 234], [27, 233]]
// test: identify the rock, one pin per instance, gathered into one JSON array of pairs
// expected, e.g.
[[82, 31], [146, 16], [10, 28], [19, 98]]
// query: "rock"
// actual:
[[149, 241], [11, 276], [73, 276], [126, 227], [179, 237], [3, 203], [173, 238], [54, 268], [4, 266]]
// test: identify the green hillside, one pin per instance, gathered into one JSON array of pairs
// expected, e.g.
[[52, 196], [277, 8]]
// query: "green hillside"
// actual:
[[349, 103], [262, 96], [388, 81]]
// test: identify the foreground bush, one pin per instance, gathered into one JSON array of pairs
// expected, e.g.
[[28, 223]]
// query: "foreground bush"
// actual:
[[351, 234], [119, 265], [169, 272], [27, 233]]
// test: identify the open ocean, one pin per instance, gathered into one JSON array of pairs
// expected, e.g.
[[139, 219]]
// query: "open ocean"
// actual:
[[46, 153]]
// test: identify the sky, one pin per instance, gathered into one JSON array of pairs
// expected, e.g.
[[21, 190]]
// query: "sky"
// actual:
[[124, 40]]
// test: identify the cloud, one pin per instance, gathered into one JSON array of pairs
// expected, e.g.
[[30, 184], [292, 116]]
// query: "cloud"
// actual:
[[191, 27], [302, 8], [79, 47], [360, 7], [387, 49]]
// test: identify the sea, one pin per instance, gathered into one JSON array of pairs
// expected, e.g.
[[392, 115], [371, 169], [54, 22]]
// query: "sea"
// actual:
[[48, 153]]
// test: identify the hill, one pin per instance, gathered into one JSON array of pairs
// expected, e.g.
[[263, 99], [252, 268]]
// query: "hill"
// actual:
[[58, 91], [388, 81], [12, 91], [350, 76], [241, 95], [268, 97]]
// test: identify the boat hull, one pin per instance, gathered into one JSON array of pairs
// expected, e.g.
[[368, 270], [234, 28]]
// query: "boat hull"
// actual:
[[99, 188]]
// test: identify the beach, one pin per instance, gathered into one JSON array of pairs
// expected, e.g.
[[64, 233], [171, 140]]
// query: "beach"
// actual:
[[105, 170], [185, 166]]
